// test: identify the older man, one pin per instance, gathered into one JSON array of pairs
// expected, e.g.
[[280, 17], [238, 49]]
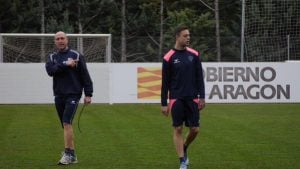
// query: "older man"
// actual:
[[70, 79]]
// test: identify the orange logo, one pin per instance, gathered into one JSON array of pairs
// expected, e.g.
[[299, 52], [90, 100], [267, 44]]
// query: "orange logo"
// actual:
[[149, 83]]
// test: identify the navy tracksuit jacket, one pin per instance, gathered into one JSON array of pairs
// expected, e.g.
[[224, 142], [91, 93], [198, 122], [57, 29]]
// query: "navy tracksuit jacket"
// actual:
[[182, 75], [67, 80]]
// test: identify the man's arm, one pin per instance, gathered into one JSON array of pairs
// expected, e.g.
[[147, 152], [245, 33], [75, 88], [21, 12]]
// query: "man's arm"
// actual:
[[164, 83], [86, 79], [53, 68], [165, 87], [200, 83]]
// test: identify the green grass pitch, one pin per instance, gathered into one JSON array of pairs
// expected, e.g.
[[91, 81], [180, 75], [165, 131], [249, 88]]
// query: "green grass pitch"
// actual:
[[138, 136]]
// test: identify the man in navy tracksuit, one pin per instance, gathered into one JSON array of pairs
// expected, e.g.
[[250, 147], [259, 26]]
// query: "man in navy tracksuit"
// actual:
[[70, 79], [182, 83]]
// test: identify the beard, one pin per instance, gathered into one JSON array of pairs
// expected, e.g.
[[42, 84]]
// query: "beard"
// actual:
[[187, 43]]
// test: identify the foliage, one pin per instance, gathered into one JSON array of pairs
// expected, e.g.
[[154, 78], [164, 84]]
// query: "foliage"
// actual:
[[18, 16], [143, 23]]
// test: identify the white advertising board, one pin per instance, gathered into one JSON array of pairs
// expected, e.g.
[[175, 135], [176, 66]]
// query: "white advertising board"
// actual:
[[28, 83], [140, 83], [224, 83]]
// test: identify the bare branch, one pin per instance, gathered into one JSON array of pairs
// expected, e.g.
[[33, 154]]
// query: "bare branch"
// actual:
[[134, 54], [207, 5], [152, 38]]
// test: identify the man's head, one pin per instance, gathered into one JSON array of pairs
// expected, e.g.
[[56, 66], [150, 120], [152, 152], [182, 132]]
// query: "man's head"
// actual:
[[61, 41], [182, 35]]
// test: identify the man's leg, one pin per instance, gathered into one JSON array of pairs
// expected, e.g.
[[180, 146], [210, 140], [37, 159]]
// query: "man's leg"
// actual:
[[178, 118], [193, 132], [69, 136], [69, 113], [69, 156], [193, 118], [60, 108], [178, 140], [192, 122], [70, 110]]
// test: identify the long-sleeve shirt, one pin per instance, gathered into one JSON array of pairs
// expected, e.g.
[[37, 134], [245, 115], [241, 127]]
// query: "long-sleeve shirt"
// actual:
[[182, 76], [69, 80]]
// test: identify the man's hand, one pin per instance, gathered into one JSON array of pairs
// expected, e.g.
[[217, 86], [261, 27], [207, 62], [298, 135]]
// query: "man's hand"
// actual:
[[70, 62], [165, 110], [201, 104], [87, 100]]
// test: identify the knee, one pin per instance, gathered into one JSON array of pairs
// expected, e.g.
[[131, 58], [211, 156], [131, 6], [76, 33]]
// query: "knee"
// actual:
[[194, 130], [67, 125], [178, 130]]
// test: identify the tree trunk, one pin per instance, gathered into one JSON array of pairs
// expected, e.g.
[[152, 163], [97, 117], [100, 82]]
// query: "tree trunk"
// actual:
[[43, 53], [79, 39], [79, 16], [161, 38], [123, 38], [218, 44]]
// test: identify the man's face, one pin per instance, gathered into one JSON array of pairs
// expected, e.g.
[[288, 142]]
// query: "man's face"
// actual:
[[61, 40], [183, 38]]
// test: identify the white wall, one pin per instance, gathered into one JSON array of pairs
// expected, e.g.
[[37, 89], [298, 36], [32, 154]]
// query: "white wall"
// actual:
[[29, 83], [118, 82]]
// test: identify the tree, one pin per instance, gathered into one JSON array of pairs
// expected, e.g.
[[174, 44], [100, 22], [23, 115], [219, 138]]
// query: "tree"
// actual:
[[218, 43], [123, 30], [230, 19], [142, 30], [201, 25], [58, 17], [161, 35], [19, 16]]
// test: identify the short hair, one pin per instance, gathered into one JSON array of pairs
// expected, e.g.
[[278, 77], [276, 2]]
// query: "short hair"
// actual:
[[60, 33], [179, 29]]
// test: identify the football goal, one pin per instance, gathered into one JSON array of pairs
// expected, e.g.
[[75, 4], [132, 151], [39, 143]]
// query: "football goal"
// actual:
[[270, 30], [34, 48]]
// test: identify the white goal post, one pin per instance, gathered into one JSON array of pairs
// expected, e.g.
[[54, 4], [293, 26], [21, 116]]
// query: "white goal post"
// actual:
[[34, 48]]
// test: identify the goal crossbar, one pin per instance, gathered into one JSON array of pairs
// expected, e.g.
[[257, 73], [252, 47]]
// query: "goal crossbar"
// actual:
[[52, 34], [79, 42]]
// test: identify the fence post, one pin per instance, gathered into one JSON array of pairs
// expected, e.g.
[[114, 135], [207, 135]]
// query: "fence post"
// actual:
[[288, 47], [1, 49], [243, 31]]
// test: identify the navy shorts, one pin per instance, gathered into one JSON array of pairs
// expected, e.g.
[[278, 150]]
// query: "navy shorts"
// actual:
[[66, 107], [185, 111]]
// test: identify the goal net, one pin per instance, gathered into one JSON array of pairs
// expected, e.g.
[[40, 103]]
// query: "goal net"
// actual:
[[272, 30], [33, 48]]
